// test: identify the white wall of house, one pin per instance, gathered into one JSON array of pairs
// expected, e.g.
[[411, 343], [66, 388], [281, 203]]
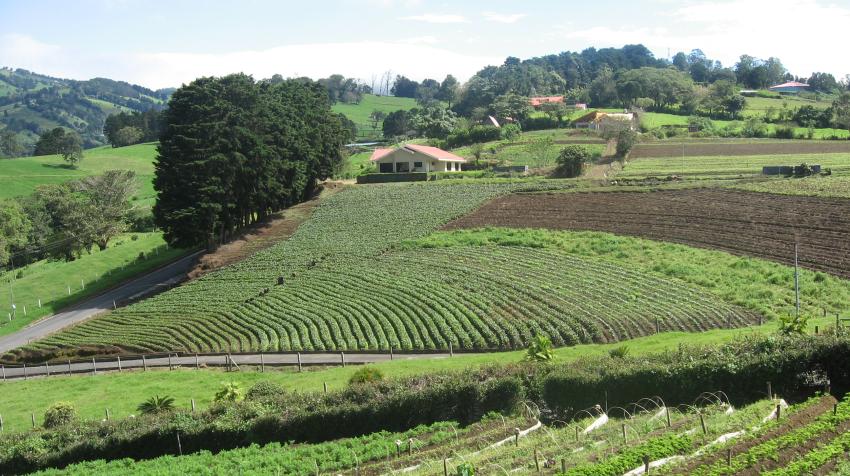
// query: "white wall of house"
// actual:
[[403, 160]]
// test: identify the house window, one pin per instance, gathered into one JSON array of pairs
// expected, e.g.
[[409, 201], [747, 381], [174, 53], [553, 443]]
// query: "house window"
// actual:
[[386, 168], [417, 166], [402, 167]]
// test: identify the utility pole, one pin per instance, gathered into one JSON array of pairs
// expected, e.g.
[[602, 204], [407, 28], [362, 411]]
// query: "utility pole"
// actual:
[[796, 281]]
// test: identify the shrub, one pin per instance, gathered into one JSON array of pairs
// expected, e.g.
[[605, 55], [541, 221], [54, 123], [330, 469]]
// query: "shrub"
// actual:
[[473, 135], [571, 160], [156, 404], [620, 352], [793, 324], [540, 123], [60, 413], [264, 389], [230, 392], [366, 375], [626, 139], [511, 132], [784, 132], [540, 349]]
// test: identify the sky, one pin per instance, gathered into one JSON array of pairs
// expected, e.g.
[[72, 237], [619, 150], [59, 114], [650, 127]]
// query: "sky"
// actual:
[[158, 43]]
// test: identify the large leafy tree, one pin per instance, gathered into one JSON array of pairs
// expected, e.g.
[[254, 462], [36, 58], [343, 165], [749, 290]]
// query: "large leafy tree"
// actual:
[[107, 204], [841, 111], [14, 228], [234, 150]]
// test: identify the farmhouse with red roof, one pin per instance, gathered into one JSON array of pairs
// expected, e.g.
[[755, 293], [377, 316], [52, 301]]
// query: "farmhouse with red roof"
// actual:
[[415, 158], [791, 87]]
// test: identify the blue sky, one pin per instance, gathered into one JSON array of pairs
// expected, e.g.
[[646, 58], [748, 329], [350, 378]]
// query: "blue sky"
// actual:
[[165, 43]]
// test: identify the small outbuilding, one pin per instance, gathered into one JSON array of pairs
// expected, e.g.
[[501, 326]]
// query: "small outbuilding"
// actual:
[[791, 87], [416, 158]]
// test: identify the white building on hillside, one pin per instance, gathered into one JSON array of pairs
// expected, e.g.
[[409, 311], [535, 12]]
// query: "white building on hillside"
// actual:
[[416, 158]]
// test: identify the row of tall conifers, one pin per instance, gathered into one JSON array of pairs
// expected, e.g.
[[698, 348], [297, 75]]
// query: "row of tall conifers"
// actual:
[[234, 150]]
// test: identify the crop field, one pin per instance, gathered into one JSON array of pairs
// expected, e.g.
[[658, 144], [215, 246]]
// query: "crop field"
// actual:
[[343, 289], [44, 287], [22, 175], [356, 224], [836, 186], [726, 167], [742, 223], [371, 454], [709, 438], [737, 148]]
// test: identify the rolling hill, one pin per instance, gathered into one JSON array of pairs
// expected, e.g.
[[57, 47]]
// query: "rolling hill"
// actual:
[[31, 102]]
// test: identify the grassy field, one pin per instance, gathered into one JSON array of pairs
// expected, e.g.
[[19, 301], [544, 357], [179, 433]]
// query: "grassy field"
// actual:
[[757, 106], [92, 273], [22, 175], [517, 153], [123, 392], [361, 297], [653, 120], [831, 186], [726, 167], [359, 113]]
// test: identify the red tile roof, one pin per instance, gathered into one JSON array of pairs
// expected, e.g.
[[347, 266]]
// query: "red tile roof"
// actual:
[[536, 101], [378, 153], [790, 84], [432, 152]]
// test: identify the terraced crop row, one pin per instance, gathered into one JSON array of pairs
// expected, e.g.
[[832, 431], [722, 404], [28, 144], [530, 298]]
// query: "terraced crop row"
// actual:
[[355, 224], [470, 297]]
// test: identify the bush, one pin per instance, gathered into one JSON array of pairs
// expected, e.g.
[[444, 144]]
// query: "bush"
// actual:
[[230, 392], [264, 389], [156, 404], [784, 132], [626, 139], [141, 221], [366, 374], [473, 135], [620, 352], [540, 123], [59, 414], [571, 160], [511, 132], [540, 349]]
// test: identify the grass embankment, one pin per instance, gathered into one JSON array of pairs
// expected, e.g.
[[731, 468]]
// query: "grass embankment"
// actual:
[[359, 113], [123, 392], [756, 284], [19, 177], [86, 276], [726, 166]]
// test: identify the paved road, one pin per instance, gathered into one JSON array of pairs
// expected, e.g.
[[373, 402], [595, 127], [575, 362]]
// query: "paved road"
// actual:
[[233, 362], [148, 283]]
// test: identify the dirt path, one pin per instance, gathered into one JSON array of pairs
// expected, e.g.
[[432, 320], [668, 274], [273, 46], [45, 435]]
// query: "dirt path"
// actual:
[[280, 227]]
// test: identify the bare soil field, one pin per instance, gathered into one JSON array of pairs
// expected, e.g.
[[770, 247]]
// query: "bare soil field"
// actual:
[[696, 149], [743, 223]]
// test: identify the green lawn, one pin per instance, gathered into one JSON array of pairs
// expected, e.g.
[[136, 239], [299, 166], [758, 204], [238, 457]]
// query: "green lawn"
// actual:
[[49, 280], [21, 176], [122, 393], [726, 166], [359, 113]]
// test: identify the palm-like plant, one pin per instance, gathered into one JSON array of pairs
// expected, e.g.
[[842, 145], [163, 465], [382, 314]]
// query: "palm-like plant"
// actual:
[[156, 404], [540, 349]]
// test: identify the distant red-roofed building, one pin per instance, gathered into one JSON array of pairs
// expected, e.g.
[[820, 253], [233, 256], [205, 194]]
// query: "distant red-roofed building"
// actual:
[[540, 100], [416, 158], [791, 87]]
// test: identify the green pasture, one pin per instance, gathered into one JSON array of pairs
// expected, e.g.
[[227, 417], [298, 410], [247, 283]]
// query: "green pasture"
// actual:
[[359, 113], [49, 281], [726, 166]]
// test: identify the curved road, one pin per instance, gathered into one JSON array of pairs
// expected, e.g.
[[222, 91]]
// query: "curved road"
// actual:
[[164, 276]]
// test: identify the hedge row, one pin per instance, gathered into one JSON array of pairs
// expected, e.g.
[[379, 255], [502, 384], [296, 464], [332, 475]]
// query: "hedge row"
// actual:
[[740, 369]]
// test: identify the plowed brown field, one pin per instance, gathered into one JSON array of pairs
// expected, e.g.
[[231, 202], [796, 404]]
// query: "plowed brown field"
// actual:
[[743, 223]]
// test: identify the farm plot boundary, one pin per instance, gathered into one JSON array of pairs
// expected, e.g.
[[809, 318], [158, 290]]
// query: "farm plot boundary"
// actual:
[[743, 223], [691, 149]]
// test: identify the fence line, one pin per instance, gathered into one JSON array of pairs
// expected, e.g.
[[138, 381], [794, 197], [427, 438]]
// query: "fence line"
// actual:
[[230, 361]]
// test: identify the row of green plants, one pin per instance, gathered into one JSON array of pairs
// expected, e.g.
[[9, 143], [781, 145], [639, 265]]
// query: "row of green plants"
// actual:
[[215, 312], [560, 391], [467, 298]]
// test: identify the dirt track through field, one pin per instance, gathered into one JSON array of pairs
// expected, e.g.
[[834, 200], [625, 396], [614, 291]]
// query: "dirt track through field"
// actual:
[[754, 148], [743, 223]]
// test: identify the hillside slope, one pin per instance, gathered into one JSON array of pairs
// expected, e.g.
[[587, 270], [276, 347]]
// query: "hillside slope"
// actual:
[[31, 103]]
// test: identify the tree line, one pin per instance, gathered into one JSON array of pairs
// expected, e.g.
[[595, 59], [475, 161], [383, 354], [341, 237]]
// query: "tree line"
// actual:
[[65, 220], [234, 150], [128, 128]]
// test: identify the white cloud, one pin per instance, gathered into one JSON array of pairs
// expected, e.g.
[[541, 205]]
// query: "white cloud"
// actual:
[[415, 58], [804, 34], [504, 17], [437, 18], [421, 40]]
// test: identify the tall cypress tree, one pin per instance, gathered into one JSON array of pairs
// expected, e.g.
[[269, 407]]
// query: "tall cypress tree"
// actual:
[[233, 150]]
